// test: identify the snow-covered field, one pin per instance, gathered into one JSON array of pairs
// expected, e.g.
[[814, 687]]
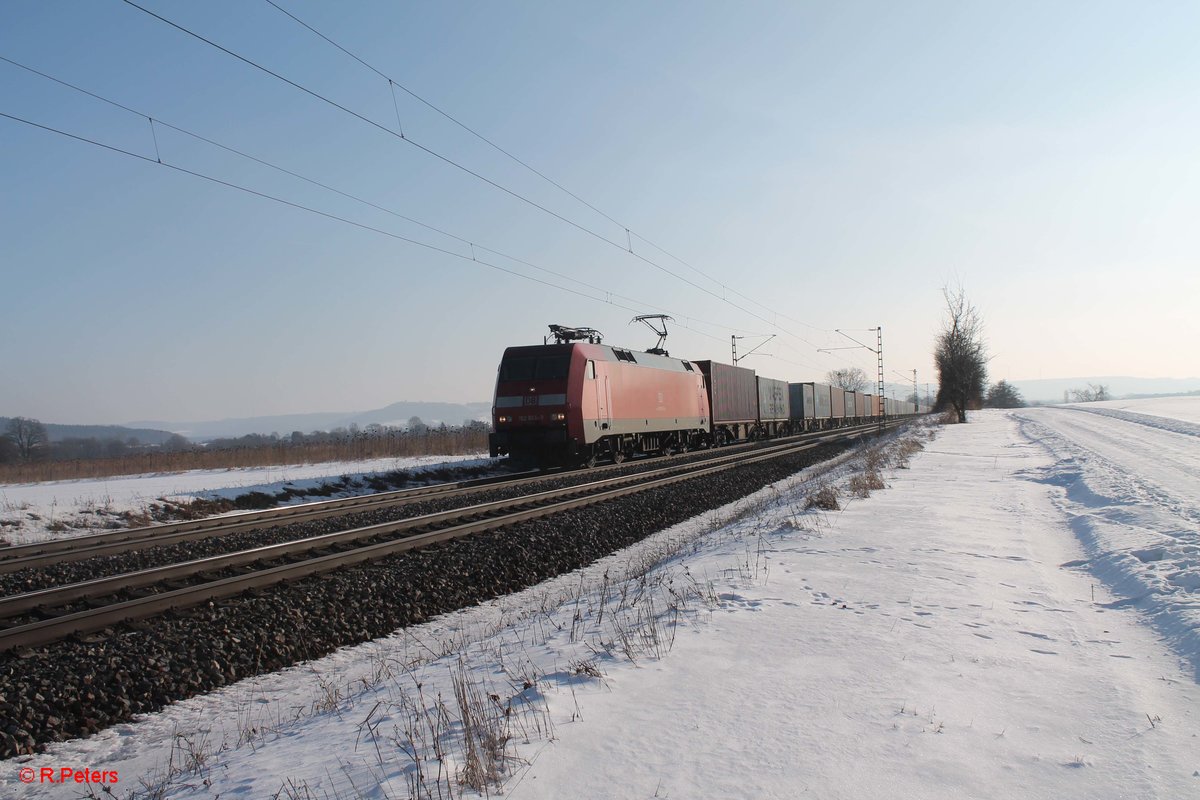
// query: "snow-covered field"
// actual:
[[34, 511], [1015, 616], [1186, 409]]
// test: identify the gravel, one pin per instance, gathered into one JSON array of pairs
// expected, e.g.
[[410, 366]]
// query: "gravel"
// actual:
[[75, 688]]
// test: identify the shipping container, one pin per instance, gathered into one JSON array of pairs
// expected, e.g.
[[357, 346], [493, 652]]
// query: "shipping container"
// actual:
[[773, 404], [837, 398], [800, 401], [821, 403], [732, 391], [863, 404]]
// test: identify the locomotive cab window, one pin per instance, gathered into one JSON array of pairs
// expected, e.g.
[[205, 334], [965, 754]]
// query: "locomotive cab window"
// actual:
[[530, 368], [552, 368], [591, 370], [517, 369]]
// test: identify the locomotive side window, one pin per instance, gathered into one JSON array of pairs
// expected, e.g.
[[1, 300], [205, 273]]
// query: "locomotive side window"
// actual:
[[552, 368], [517, 369], [591, 370]]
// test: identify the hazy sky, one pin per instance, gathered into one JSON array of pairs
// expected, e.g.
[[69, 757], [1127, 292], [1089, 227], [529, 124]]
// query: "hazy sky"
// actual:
[[824, 165]]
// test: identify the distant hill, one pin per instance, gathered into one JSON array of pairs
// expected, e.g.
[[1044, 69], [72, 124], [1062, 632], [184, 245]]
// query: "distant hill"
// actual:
[[57, 432], [397, 414]]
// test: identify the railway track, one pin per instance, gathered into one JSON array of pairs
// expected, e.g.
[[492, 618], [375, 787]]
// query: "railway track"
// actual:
[[38, 618], [78, 548]]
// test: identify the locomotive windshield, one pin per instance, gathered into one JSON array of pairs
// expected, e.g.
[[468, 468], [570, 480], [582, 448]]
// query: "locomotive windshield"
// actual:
[[530, 368]]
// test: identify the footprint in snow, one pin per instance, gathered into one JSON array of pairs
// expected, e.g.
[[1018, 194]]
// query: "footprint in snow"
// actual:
[[1043, 652]]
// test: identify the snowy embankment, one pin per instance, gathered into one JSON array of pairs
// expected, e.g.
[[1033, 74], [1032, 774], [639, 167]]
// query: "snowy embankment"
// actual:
[[34, 511], [938, 639]]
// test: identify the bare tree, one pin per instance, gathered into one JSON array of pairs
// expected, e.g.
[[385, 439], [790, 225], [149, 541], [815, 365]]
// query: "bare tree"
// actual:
[[960, 355], [852, 379], [1093, 393], [8, 450], [27, 435]]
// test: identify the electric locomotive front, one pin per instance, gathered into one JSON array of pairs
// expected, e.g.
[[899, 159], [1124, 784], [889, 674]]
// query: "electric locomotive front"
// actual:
[[532, 418], [576, 403]]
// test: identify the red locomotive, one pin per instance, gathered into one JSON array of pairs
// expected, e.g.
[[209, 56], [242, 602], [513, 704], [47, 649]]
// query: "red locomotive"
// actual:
[[577, 401]]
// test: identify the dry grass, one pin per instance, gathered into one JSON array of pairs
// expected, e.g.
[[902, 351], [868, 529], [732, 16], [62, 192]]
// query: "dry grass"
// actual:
[[824, 497], [861, 484]]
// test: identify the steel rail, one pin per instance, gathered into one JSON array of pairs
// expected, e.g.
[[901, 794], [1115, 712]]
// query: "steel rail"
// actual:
[[79, 548], [14, 605], [16, 557], [49, 630]]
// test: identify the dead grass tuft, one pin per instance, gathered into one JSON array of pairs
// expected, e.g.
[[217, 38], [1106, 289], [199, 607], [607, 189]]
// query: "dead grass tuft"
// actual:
[[824, 497], [861, 484]]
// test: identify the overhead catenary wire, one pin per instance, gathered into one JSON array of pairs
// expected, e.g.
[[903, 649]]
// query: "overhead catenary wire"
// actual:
[[449, 161], [327, 215], [318, 212], [470, 243], [629, 232], [302, 207]]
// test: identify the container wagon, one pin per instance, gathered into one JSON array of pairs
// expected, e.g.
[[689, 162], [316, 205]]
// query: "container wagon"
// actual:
[[801, 408], [774, 408], [733, 401], [837, 399]]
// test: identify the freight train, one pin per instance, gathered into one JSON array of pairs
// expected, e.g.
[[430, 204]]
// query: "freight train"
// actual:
[[578, 401]]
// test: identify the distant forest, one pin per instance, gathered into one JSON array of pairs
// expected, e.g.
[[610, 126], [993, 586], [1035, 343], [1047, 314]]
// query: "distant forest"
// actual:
[[29, 451]]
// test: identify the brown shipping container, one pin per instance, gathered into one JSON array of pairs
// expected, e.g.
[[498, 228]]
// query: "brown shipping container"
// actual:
[[772, 399], [732, 391], [865, 403], [838, 397]]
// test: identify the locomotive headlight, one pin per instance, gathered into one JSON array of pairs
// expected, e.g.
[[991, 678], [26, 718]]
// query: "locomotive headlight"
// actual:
[[558, 417], [502, 418]]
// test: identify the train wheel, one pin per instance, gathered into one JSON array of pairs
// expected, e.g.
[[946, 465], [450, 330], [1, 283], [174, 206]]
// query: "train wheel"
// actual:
[[589, 460], [618, 456]]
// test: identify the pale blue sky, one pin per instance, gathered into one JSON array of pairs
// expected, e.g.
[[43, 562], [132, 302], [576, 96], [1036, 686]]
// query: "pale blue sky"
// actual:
[[838, 163]]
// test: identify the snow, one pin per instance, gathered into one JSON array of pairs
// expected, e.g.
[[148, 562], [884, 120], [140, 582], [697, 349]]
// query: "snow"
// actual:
[[1012, 617], [1130, 489], [32, 511], [1169, 408]]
